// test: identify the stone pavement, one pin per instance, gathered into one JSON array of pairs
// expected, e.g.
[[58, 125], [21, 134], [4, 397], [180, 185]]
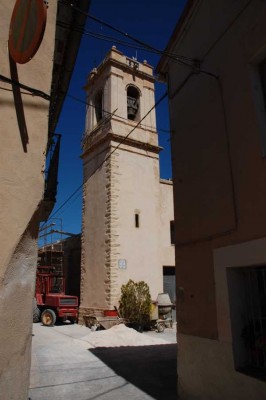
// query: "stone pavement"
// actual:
[[66, 367]]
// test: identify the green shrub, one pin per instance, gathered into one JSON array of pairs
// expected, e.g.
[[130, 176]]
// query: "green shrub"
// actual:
[[135, 302]]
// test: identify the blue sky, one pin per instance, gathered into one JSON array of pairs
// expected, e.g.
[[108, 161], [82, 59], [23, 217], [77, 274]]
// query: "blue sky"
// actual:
[[150, 21]]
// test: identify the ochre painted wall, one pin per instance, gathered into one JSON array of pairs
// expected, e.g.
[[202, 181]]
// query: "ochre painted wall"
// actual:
[[218, 122], [21, 189]]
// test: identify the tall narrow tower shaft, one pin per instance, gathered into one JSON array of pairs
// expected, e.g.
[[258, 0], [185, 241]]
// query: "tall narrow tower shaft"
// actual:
[[121, 198]]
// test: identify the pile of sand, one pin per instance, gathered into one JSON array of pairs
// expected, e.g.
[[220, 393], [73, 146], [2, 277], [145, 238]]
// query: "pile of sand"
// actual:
[[120, 335]]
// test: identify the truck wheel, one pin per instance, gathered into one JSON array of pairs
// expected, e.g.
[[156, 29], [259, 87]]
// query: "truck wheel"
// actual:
[[35, 311], [48, 317], [72, 320]]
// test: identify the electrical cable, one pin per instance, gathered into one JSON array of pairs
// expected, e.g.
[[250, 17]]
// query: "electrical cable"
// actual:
[[227, 136], [33, 91], [111, 114], [11, 90], [180, 59], [72, 202], [101, 36], [112, 39], [107, 158], [227, 28], [195, 64]]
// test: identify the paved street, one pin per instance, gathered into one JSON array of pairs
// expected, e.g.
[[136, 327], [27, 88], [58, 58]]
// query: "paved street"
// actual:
[[65, 366]]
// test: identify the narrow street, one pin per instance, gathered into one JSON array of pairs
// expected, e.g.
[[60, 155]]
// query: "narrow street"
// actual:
[[65, 365]]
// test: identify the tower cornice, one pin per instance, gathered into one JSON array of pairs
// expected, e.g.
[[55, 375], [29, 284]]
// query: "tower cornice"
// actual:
[[129, 65], [112, 137]]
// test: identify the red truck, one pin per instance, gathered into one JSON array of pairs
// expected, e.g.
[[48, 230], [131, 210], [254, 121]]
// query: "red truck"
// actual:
[[51, 301]]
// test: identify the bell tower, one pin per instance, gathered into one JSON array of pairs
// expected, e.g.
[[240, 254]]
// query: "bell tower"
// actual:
[[121, 182]]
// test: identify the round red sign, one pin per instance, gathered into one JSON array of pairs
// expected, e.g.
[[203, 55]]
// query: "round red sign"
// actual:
[[26, 30]]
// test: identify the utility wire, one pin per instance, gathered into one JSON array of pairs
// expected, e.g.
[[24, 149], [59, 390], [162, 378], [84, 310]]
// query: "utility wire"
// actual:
[[11, 90], [72, 202], [113, 39], [176, 58], [100, 36], [109, 113], [108, 156], [179, 58], [33, 91], [39, 93]]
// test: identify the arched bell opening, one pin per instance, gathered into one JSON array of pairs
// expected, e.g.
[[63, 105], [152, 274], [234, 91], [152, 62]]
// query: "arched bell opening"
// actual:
[[98, 104], [133, 96]]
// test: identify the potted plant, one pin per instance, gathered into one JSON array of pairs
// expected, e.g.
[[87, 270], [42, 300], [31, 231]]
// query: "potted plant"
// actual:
[[135, 304]]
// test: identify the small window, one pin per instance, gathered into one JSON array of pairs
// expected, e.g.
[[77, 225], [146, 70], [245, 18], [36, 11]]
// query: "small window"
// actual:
[[98, 102], [132, 103], [172, 232], [136, 220]]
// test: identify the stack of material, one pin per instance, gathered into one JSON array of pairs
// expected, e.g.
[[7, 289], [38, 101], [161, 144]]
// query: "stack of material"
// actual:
[[120, 335]]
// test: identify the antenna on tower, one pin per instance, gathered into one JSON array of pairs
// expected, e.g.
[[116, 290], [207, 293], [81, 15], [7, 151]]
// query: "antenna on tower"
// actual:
[[102, 47], [135, 58]]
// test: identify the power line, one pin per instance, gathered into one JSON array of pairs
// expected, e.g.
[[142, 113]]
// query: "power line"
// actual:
[[179, 58], [33, 91], [100, 36], [195, 64], [186, 61], [11, 90], [113, 39], [72, 202], [189, 62], [108, 156], [109, 113]]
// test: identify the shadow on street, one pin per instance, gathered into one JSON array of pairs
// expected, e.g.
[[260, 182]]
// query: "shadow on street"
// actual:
[[153, 369]]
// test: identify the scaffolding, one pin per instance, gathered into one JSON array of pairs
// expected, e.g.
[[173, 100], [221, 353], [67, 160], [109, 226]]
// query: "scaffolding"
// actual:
[[50, 252]]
